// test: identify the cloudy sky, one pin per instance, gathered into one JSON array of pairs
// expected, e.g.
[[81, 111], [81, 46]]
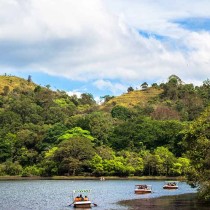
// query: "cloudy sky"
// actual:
[[104, 46]]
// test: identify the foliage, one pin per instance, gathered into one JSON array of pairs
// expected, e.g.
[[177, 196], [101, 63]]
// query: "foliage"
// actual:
[[146, 132], [165, 113], [12, 169], [130, 89], [73, 154], [100, 126], [75, 132], [31, 171], [197, 142], [121, 112]]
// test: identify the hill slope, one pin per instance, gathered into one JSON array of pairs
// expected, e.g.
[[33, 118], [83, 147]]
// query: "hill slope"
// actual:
[[133, 98], [13, 82]]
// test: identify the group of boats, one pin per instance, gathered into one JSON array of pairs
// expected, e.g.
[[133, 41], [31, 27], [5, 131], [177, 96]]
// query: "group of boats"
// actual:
[[142, 189], [81, 198]]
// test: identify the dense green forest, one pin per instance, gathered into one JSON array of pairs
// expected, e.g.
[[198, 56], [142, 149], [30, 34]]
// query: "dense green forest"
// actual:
[[162, 129]]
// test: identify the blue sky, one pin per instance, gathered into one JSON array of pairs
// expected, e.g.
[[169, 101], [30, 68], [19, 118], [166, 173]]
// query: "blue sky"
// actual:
[[103, 46]]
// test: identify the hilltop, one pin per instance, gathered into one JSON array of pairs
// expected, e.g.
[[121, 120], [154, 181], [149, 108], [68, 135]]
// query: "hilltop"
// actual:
[[9, 83], [134, 98], [128, 100]]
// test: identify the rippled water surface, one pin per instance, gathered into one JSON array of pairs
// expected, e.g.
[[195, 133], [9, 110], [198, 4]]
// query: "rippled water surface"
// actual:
[[57, 194]]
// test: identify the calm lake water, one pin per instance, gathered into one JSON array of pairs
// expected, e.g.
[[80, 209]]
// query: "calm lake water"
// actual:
[[57, 194]]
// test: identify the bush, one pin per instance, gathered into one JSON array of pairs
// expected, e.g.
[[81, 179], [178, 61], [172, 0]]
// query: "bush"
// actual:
[[31, 171], [13, 169], [2, 169]]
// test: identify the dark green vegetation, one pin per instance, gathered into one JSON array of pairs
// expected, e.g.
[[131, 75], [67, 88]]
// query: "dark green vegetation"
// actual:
[[158, 130]]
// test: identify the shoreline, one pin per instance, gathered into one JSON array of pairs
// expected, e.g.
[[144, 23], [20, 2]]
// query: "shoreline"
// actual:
[[182, 201], [2, 178]]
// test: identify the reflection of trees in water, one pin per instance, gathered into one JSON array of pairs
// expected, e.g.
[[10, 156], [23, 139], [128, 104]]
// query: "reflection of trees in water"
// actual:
[[183, 202]]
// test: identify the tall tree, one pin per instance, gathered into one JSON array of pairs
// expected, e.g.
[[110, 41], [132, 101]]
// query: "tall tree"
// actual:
[[197, 142], [73, 155]]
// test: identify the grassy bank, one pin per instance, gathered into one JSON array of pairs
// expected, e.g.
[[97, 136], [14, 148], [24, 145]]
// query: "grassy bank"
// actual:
[[91, 178]]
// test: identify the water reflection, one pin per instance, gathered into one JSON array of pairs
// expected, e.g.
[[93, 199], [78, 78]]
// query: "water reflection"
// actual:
[[183, 202], [83, 209]]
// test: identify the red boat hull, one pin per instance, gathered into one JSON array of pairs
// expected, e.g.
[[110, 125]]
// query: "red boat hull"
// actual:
[[142, 191], [170, 187]]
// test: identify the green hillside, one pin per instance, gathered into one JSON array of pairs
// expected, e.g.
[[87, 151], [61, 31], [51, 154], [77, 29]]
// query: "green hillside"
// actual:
[[13, 82]]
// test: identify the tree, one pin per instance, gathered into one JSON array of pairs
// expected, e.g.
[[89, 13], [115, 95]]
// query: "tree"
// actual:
[[13, 168], [31, 171], [150, 162], [181, 167], [145, 132], [121, 112], [165, 113], [25, 107], [130, 89], [75, 132], [133, 161], [48, 86], [107, 98], [52, 134], [73, 154], [6, 90], [175, 79], [9, 122], [29, 79], [167, 159], [100, 125], [87, 98], [197, 143], [155, 85], [7, 147], [105, 152]]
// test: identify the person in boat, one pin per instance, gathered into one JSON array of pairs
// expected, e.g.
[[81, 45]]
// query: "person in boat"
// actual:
[[142, 187], [81, 197], [77, 198], [86, 198]]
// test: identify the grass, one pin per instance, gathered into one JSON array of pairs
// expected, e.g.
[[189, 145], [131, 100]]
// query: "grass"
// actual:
[[15, 82], [133, 98]]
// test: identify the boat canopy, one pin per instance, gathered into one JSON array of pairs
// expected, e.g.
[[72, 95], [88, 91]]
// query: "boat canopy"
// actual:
[[171, 182], [143, 186], [81, 191]]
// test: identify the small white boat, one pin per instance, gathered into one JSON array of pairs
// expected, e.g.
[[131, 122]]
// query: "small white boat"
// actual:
[[143, 189], [171, 185], [81, 199]]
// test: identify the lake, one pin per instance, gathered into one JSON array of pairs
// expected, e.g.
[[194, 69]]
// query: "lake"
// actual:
[[57, 194]]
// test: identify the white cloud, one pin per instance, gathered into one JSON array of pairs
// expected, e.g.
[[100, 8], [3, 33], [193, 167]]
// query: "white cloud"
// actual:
[[99, 40], [115, 88], [74, 92]]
